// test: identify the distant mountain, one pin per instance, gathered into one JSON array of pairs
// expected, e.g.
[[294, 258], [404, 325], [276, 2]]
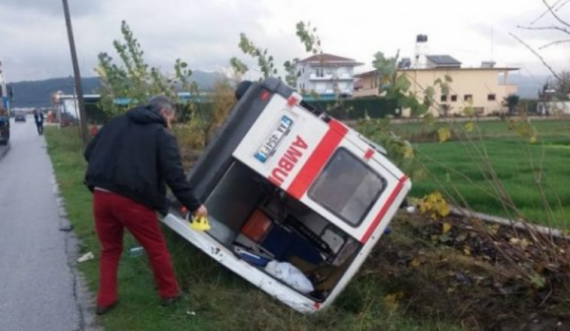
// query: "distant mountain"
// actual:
[[206, 80], [37, 94], [528, 85]]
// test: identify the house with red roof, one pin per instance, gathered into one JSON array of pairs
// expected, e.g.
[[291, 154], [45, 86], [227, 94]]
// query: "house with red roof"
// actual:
[[327, 75]]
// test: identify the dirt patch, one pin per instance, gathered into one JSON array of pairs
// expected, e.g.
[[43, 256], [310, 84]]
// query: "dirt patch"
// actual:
[[447, 270]]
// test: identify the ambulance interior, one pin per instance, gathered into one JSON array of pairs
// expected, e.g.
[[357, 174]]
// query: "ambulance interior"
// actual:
[[261, 223]]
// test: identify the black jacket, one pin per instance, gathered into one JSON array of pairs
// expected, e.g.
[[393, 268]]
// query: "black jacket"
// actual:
[[39, 117], [135, 156]]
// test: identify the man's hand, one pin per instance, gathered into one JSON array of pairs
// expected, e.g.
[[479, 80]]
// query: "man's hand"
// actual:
[[201, 212]]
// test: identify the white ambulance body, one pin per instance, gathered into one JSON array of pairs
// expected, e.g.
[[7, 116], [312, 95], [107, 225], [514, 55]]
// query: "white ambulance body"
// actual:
[[284, 183]]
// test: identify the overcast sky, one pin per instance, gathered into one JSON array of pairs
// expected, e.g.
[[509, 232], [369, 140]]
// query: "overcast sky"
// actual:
[[205, 33]]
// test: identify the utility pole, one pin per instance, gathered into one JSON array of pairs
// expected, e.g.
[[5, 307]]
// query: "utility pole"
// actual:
[[76, 74]]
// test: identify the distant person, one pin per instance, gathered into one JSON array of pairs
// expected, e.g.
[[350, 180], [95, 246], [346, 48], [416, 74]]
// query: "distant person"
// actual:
[[50, 117], [39, 118], [131, 159]]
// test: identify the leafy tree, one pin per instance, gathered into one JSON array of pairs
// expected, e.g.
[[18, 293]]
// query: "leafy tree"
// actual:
[[239, 69], [385, 71], [308, 37], [133, 80], [512, 102], [264, 61], [291, 72]]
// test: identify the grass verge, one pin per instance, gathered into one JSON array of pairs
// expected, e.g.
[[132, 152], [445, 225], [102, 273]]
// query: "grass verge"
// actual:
[[218, 299], [489, 129], [517, 167]]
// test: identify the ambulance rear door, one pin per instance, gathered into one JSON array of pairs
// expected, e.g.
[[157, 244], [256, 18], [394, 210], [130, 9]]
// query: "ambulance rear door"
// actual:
[[324, 165]]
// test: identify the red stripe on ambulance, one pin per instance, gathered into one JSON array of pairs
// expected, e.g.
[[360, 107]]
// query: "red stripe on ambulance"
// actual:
[[316, 162], [288, 161], [384, 209], [292, 101]]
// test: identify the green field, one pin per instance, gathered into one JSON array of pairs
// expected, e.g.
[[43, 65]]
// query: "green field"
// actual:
[[217, 299], [460, 168], [546, 128]]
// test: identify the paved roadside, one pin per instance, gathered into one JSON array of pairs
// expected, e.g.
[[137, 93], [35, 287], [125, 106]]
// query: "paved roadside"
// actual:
[[40, 288]]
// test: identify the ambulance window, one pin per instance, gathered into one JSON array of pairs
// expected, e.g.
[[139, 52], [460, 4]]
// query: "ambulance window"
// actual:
[[347, 187]]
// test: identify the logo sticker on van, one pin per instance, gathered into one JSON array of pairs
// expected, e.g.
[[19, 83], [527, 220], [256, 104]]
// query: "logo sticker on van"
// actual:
[[273, 140]]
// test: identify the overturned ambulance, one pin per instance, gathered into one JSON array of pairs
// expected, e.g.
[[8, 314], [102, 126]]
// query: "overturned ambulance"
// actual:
[[297, 200]]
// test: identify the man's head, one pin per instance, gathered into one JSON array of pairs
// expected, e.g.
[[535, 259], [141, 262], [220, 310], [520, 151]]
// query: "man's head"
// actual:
[[165, 107]]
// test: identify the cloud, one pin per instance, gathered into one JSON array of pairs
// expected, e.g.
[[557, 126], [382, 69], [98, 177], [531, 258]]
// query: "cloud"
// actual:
[[506, 45], [205, 33], [55, 7], [521, 25]]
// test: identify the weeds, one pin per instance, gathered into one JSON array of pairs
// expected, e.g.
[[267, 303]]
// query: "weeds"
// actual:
[[472, 173]]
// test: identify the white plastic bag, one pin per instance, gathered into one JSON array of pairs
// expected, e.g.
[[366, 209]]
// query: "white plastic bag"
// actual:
[[290, 275]]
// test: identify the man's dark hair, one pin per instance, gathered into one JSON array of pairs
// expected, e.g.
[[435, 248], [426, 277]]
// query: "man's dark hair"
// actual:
[[160, 102]]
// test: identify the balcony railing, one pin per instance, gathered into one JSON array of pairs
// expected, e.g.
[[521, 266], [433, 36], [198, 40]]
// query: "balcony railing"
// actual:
[[343, 76]]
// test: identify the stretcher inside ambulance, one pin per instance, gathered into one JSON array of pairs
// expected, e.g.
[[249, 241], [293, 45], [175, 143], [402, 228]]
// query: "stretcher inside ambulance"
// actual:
[[297, 200]]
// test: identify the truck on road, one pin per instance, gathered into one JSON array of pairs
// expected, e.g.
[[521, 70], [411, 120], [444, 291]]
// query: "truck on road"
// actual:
[[5, 97]]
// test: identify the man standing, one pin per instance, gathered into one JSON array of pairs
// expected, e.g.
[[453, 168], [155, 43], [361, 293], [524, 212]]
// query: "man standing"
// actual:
[[39, 118], [131, 160]]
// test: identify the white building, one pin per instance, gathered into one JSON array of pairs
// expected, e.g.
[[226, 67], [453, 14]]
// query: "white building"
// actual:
[[326, 74], [553, 108]]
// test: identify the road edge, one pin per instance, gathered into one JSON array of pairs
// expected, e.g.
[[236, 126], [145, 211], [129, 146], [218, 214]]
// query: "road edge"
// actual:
[[4, 150], [83, 297]]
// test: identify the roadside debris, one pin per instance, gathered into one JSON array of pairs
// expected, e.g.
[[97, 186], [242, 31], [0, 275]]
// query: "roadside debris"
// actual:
[[66, 228], [466, 275], [86, 257], [290, 275], [136, 251]]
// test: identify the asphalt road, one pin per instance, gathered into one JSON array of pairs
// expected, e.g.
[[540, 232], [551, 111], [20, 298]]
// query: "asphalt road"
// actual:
[[39, 286]]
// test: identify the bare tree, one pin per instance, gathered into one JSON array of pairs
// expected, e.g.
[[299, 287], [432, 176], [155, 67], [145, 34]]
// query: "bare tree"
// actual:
[[559, 25], [562, 86]]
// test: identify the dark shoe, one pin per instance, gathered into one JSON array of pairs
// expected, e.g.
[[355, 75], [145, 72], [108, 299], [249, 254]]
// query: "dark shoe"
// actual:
[[102, 310], [171, 300]]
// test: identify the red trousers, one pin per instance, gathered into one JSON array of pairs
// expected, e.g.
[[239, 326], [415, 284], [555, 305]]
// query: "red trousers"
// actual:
[[113, 213]]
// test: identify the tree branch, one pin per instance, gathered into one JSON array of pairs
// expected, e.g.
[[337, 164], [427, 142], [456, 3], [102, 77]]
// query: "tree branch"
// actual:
[[558, 42], [554, 27], [555, 15], [546, 12], [537, 55], [562, 5]]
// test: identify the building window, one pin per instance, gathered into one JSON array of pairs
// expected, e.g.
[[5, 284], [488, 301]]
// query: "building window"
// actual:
[[454, 98], [444, 98], [302, 85], [303, 70], [320, 72], [491, 97], [468, 97]]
